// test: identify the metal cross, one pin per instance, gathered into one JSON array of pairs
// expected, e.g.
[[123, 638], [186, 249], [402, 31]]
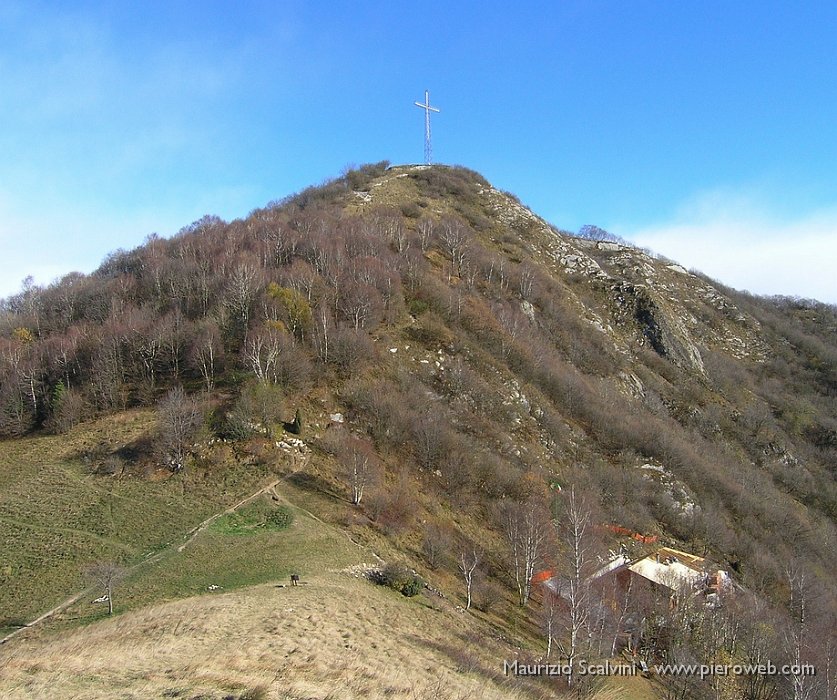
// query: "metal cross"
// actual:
[[428, 153]]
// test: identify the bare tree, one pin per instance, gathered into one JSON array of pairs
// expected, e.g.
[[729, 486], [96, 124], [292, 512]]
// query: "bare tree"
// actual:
[[207, 351], [178, 418], [173, 331], [360, 467], [395, 505], [359, 304], [107, 575], [526, 281], [146, 345], [624, 602], [108, 374], [424, 228], [514, 323], [68, 409], [454, 238], [299, 275], [396, 233], [411, 265], [549, 614], [322, 330], [239, 294], [756, 641], [261, 353], [436, 544], [830, 679], [430, 439], [574, 528], [469, 559], [360, 464], [798, 633], [17, 405], [526, 526]]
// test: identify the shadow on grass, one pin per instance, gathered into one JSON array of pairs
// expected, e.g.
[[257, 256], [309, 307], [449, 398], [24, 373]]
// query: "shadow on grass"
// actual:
[[11, 624], [466, 660], [135, 457], [311, 482]]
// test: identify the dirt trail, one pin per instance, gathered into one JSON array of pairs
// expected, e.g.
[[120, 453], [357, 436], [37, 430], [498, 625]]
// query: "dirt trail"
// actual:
[[192, 534], [49, 613]]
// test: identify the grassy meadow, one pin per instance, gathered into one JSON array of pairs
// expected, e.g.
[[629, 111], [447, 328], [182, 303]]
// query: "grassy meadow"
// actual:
[[57, 516]]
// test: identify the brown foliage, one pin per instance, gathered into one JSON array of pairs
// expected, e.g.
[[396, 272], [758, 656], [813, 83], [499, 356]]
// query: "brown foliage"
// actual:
[[178, 418]]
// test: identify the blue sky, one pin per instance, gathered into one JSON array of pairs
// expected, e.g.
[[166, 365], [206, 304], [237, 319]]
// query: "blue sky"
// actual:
[[705, 131]]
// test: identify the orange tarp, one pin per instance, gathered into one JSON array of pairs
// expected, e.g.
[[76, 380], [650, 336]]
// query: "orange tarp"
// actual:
[[542, 576], [619, 530]]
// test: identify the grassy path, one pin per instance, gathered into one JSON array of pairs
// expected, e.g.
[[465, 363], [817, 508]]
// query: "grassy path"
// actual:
[[206, 523], [68, 530]]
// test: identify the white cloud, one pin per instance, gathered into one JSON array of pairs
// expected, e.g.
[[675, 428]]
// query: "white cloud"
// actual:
[[738, 239]]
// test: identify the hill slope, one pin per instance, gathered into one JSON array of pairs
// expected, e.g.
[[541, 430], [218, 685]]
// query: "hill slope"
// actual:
[[446, 357]]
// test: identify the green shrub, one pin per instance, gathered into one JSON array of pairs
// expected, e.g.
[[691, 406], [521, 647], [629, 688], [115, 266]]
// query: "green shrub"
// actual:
[[412, 587], [280, 518], [295, 426], [418, 306], [402, 579]]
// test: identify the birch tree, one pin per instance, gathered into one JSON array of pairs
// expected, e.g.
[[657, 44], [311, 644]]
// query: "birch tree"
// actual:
[[798, 633], [469, 559], [360, 466], [261, 354], [526, 526], [574, 528], [207, 352], [549, 619]]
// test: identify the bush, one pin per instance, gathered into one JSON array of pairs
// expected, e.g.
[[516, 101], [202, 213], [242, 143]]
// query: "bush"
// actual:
[[411, 210], [487, 595], [68, 409], [360, 178], [412, 587], [256, 411], [418, 306], [402, 579], [430, 329], [350, 349], [444, 181], [280, 518]]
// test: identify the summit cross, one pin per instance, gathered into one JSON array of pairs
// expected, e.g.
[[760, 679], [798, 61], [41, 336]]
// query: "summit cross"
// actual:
[[428, 151]]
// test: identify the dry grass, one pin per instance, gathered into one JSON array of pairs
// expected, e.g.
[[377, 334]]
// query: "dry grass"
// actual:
[[335, 637]]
